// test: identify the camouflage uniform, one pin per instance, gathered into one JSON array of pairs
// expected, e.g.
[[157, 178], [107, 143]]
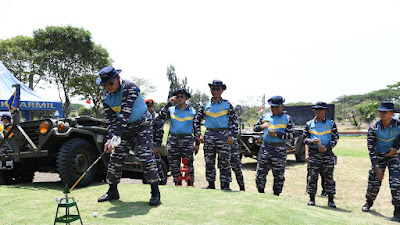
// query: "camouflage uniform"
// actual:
[[375, 133], [216, 136], [156, 127], [272, 155], [180, 144], [236, 164], [321, 162], [140, 131]]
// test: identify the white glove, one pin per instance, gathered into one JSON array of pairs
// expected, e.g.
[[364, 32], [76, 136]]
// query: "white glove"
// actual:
[[115, 141]]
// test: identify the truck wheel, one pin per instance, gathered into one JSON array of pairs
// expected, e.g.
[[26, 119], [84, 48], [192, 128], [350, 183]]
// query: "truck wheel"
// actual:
[[7, 177], [73, 159], [301, 154]]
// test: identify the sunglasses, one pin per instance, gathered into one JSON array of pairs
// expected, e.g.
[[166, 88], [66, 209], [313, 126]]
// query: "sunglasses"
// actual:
[[216, 89], [110, 83]]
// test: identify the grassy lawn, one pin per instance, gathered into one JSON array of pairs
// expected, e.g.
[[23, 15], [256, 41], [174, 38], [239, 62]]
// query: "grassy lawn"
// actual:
[[35, 203]]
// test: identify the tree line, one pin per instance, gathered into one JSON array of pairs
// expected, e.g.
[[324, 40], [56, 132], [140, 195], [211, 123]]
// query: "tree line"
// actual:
[[66, 57]]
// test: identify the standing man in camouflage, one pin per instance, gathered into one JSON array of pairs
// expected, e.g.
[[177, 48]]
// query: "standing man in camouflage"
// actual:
[[277, 127], [381, 137], [321, 135], [128, 120], [222, 128], [156, 126], [180, 138]]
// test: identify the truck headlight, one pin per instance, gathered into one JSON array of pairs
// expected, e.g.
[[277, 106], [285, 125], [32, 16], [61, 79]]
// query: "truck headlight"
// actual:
[[44, 127], [250, 140]]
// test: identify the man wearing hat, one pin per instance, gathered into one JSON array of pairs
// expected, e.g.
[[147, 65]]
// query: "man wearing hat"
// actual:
[[180, 139], [321, 135], [156, 126], [277, 127], [128, 119], [380, 139], [222, 129], [6, 119]]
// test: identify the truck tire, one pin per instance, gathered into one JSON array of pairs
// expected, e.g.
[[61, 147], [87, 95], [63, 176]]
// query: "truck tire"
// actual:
[[74, 158], [301, 154], [7, 177]]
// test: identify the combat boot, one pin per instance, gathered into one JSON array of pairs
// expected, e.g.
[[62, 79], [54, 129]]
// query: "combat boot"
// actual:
[[211, 185], [241, 186], [261, 190], [225, 186], [111, 194], [367, 206], [276, 193], [155, 199], [331, 203], [396, 214], [312, 200]]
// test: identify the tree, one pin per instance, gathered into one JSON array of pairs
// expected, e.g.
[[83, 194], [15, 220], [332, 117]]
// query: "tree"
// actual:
[[145, 86], [64, 54], [197, 100], [367, 110], [174, 82], [18, 55]]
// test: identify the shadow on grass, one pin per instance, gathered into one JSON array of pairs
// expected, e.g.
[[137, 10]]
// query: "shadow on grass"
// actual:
[[334, 209], [128, 209], [375, 213], [47, 186]]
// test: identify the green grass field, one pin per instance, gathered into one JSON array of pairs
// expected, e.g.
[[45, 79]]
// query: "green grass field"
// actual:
[[35, 203]]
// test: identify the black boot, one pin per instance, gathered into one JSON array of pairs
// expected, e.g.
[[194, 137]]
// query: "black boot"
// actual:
[[241, 186], [211, 185], [331, 203], [261, 190], [225, 186], [396, 214], [155, 199], [312, 200], [276, 193], [111, 194], [367, 206]]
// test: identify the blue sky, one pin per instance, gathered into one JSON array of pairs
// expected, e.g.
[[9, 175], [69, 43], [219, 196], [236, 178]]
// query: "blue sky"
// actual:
[[302, 50]]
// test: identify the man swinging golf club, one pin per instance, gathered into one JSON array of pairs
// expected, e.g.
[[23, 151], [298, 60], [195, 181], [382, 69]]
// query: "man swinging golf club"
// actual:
[[127, 119]]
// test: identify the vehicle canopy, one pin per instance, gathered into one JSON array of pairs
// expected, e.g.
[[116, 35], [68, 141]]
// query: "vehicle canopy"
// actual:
[[29, 100]]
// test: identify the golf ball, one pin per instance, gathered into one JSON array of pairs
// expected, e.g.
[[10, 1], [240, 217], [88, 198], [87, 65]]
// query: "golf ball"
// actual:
[[95, 214], [58, 200]]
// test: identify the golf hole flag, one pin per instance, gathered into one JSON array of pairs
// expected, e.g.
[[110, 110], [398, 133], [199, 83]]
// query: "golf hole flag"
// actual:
[[13, 101]]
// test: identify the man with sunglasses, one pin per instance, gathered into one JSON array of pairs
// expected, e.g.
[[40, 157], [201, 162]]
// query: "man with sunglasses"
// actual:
[[156, 126], [128, 119], [180, 139], [384, 152], [321, 135], [222, 128], [277, 127]]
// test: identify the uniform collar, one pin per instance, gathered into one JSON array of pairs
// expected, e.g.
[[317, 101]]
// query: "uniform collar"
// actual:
[[219, 102], [392, 124], [323, 120], [186, 108]]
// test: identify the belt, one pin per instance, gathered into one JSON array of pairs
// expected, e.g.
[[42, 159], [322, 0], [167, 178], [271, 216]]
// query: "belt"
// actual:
[[217, 129], [180, 135], [276, 143]]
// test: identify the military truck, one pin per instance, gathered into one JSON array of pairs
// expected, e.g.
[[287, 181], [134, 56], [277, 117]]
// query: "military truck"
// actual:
[[250, 141], [65, 146]]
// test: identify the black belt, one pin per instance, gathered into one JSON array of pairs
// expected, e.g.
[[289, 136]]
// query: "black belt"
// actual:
[[181, 135], [276, 143], [217, 129]]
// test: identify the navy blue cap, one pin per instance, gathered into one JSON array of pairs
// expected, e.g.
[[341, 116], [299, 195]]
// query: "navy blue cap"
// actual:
[[217, 83], [181, 91], [320, 105], [106, 74], [386, 106], [6, 116], [276, 100]]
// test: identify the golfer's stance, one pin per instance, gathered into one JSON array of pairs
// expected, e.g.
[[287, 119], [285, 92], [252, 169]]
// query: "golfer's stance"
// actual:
[[128, 120]]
